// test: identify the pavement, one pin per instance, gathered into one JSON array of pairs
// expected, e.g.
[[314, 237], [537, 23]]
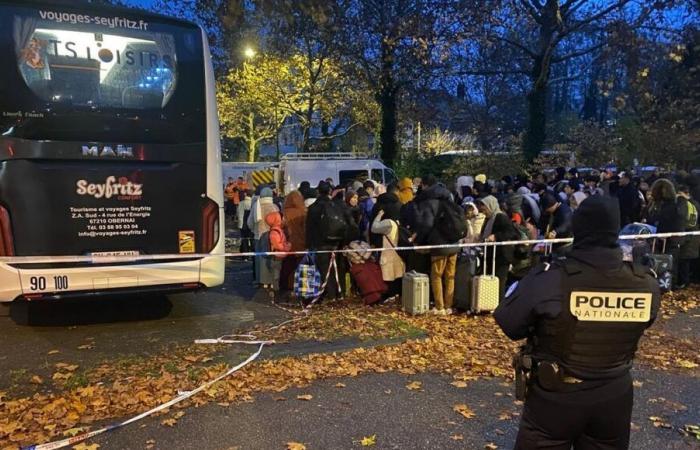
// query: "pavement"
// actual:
[[88, 332], [381, 405]]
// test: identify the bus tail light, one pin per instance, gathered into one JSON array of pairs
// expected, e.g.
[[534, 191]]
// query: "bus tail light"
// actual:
[[210, 226], [7, 246]]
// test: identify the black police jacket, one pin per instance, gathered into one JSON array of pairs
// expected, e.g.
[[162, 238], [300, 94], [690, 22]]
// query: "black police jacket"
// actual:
[[595, 349]]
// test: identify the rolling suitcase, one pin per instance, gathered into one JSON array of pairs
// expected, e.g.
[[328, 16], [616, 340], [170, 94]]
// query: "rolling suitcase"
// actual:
[[466, 269], [485, 288], [368, 277], [415, 293]]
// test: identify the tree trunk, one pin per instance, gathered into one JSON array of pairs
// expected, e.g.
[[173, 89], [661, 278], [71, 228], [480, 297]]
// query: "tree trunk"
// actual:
[[251, 141], [387, 133], [535, 133]]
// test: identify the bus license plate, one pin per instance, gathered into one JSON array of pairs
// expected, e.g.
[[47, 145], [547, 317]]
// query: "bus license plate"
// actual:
[[122, 256]]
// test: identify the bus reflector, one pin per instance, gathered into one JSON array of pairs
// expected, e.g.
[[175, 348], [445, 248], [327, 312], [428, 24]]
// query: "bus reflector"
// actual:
[[7, 246], [210, 226]]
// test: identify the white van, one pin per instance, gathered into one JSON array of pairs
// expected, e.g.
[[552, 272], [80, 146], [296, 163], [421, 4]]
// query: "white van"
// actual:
[[343, 168]]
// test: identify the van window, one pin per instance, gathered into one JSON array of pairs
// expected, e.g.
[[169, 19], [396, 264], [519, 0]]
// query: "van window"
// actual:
[[389, 176], [348, 176], [377, 176]]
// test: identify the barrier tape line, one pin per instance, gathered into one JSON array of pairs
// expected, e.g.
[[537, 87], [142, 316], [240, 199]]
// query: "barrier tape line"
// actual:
[[193, 256], [183, 396]]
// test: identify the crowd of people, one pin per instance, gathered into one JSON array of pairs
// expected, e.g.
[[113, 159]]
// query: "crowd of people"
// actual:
[[426, 211]]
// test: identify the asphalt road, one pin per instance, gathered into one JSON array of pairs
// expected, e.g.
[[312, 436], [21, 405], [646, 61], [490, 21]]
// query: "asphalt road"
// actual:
[[86, 332], [381, 405], [89, 332]]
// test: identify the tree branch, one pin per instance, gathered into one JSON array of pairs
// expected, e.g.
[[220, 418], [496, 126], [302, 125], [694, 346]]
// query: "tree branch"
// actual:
[[532, 10], [578, 53], [602, 13], [517, 45], [491, 72]]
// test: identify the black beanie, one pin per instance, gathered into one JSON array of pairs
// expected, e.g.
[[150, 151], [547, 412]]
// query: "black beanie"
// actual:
[[596, 222]]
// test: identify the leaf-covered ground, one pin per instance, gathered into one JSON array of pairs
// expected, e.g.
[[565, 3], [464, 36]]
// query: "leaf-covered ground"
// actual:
[[461, 346]]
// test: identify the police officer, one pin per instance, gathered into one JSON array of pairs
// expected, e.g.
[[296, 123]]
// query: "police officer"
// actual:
[[583, 317]]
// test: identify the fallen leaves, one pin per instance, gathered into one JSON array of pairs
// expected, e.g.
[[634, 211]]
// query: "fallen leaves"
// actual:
[[169, 422], [369, 441], [659, 422], [466, 348], [414, 386], [457, 437], [464, 411], [295, 446], [684, 363], [53, 352], [86, 447], [490, 446], [692, 431], [36, 379]]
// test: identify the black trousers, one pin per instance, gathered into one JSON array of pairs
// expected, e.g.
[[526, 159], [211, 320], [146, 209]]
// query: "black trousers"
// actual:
[[585, 420]]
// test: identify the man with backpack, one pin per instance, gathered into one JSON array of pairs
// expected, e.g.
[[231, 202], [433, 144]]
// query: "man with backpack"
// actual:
[[439, 221], [329, 226]]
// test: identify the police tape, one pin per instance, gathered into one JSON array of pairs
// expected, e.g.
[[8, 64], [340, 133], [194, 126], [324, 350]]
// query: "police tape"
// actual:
[[122, 259], [180, 397]]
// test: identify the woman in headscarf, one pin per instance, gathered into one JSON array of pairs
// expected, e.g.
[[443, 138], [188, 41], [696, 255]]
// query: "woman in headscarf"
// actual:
[[295, 220], [262, 206], [393, 267], [498, 228], [405, 190]]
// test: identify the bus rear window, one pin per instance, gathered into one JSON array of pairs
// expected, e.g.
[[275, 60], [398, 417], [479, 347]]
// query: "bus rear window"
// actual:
[[96, 69]]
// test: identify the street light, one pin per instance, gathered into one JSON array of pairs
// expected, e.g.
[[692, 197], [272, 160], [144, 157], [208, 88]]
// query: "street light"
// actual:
[[249, 52]]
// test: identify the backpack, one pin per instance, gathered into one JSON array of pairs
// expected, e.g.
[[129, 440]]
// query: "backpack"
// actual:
[[333, 224], [450, 221]]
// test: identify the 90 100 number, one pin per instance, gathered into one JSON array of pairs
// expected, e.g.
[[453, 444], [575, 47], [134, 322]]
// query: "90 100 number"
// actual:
[[60, 283]]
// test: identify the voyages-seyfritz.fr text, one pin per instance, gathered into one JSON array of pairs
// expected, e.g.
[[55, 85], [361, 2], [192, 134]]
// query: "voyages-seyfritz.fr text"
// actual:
[[111, 22]]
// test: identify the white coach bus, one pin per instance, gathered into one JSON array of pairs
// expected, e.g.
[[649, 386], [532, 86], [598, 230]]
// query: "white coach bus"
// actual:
[[109, 146]]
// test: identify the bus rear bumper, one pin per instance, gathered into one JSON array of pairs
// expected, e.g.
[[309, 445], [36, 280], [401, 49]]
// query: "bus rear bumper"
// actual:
[[55, 282]]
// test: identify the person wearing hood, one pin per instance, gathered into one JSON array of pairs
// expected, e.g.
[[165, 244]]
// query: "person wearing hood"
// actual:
[[405, 190], [443, 261], [531, 207], [261, 207], [464, 181], [295, 221], [498, 228], [583, 316], [475, 223], [278, 243]]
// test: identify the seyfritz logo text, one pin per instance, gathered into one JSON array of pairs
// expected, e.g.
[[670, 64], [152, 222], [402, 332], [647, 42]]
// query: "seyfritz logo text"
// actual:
[[123, 189], [611, 306], [114, 151]]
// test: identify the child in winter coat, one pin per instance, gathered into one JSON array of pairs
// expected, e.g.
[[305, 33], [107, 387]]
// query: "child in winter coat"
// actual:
[[278, 243]]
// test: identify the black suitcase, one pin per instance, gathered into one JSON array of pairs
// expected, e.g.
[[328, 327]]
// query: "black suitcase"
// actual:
[[466, 270]]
